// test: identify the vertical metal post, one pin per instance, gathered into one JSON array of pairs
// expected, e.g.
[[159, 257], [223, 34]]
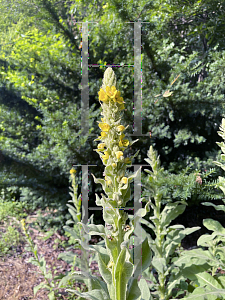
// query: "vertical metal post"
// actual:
[[137, 80], [137, 189], [84, 81], [84, 192]]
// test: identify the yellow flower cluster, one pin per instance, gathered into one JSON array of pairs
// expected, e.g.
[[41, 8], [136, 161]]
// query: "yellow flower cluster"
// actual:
[[110, 97], [23, 224], [110, 94]]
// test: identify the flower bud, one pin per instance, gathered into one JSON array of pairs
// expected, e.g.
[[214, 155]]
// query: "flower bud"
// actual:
[[119, 154], [73, 171], [103, 134], [120, 128], [124, 180], [106, 155], [101, 146], [109, 79]]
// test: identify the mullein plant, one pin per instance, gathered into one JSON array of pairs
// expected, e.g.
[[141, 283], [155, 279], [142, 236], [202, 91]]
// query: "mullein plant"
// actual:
[[205, 266], [53, 283], [39, 261], [76, 233], [119, 265], [166, 279]]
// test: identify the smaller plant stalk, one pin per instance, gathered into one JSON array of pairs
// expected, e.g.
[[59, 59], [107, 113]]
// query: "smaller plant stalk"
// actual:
[[77, 203], [41, 263], [168, 237], [159, 243]]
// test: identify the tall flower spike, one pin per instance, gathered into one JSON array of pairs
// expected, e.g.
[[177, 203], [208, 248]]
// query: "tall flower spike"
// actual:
[[109, 79]]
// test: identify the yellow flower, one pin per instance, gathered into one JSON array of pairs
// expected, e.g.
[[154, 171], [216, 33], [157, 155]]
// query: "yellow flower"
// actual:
[[111, 92], [122, 107], [106, 155], [113, 165], [118, 94], [120, 100], [108, 181], [103, 134], [123, 143], [73, 171], [122, 136], [102, 96], [101, 146], [104, 126], [119, 154], [124, 180], [23, 223], [110, 264], [120, 128]]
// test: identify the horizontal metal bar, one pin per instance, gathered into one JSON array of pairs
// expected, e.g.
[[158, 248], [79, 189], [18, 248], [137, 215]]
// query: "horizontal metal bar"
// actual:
[[110, 65], [100, 208]]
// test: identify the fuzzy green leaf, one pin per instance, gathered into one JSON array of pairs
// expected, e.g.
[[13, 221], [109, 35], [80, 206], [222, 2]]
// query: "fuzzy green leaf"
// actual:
[[213, 225], [40, 286], [207, 279], [170, 212], [217, 207], [142, 257], [51, 296], [196, 257], [205, 239], [103, 260], [133, 290], [92, 295], [94, 229], [122, 273], [202, 294], [159, 264], [145, 292]]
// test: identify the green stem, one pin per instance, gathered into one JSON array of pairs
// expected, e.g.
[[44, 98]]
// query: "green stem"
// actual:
[[77, 204], [31, 243], [159, 239]]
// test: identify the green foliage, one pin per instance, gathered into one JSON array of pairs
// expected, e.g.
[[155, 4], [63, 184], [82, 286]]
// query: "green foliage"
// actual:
[[39, 261], [41, 91], [188, 185], [76, 235], [10, 213], [11, 209], [164, 274], [201, 265], [9, 239]]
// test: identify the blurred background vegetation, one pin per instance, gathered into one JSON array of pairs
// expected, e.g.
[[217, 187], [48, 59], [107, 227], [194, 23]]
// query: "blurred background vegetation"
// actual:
[[40, 94]]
